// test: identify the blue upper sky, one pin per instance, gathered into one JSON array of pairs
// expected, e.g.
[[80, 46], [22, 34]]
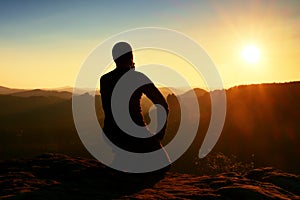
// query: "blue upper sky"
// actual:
[[22, 20]]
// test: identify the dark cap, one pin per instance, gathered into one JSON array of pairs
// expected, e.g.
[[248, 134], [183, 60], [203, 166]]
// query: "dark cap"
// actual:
[[120, 49]]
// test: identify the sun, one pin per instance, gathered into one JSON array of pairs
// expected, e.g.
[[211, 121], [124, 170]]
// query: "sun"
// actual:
[[251, 54]]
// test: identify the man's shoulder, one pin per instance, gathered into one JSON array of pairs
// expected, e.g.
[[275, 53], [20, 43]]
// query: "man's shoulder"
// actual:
[[108, 75], [136, 75]]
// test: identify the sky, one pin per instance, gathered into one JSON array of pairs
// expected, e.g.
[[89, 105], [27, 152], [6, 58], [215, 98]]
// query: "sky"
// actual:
[[44, 43]]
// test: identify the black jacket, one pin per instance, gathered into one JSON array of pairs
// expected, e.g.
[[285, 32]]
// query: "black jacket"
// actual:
[[111, 129]]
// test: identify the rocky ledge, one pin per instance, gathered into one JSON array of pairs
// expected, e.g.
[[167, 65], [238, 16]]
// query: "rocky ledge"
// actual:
[[56, 176]]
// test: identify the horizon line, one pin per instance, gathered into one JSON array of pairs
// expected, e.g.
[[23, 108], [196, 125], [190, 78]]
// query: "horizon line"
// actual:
[[172, 87]]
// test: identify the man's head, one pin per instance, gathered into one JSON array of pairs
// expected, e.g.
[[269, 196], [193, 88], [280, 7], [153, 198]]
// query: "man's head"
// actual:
[[122, 55]]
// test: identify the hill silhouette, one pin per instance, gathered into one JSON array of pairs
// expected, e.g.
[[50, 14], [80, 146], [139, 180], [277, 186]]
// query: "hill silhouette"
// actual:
[[261, 127], [12, 106], [44, 93], [6, 90]]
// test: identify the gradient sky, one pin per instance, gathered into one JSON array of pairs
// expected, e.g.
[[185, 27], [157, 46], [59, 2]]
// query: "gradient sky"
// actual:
[[44, 43]]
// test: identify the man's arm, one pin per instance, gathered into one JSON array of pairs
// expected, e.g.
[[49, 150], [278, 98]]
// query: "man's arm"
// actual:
[[157, 98]]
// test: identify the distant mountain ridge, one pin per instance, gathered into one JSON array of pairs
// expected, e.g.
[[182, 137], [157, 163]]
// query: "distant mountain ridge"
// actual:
[[6, 90], [65, 92], [44, 93], [261, 126]]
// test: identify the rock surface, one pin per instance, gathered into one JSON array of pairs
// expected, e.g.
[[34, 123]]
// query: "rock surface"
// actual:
[[56, 176]]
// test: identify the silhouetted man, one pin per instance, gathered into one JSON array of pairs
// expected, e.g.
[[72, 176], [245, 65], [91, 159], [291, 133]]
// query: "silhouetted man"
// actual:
[[123, 57]]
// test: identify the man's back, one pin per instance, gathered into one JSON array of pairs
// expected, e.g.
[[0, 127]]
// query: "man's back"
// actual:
[[111, 129]]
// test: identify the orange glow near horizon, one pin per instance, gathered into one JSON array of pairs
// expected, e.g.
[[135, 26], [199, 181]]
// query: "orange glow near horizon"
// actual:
[[53, 61]]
